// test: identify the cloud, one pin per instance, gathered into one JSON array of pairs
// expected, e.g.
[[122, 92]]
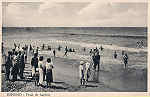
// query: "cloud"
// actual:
[[115, 14], [95, 13]]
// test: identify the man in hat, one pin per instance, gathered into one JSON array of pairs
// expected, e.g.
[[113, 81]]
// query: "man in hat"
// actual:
[[34, 63]]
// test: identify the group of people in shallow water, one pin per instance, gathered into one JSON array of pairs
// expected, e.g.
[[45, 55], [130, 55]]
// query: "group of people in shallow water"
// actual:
[[41, 71], [124, 57]]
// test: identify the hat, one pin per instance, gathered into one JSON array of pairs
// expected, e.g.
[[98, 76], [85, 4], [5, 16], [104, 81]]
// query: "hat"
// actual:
[[81, 62]]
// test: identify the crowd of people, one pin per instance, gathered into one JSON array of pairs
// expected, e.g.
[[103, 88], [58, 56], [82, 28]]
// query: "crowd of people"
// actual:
[[15, 64], [17, 58]]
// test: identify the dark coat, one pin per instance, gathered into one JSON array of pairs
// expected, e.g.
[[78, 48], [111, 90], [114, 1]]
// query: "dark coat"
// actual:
[[34, 62]]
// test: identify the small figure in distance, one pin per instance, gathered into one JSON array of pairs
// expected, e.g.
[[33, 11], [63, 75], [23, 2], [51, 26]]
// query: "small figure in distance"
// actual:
[[115, 55], [125, 59], [101, 48], [49, 47], [84, 49], [59, 48], [66, 51], [54, 53]]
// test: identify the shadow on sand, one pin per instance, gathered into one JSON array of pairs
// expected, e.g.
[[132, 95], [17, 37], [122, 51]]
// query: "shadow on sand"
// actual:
[[59, 82], [56, 87], [91, 86]]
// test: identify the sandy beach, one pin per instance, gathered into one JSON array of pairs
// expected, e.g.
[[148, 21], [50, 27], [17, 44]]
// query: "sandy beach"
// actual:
[[112, 76]]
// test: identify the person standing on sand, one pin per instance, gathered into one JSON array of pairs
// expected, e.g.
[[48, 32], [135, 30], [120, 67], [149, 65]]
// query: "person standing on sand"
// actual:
[[19, 63], [22, 65], [40, 66], [125, 59], [49, 73], [34, 64], [37, 50], [84, 49], [122, 52], [2, 48], [15, 69], [59, 48], [30, 49], [142, 44], [73, 50], [87, 69], [81, 73], [115, 55], [54, 53], [96, 60], [66, 51], [49, 47], [8, 65], [43, 47]]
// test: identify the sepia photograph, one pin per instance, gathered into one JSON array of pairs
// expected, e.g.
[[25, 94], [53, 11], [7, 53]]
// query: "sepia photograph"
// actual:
[[74, 46]]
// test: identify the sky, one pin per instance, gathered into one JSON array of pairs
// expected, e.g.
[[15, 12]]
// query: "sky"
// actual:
[[78, 13]]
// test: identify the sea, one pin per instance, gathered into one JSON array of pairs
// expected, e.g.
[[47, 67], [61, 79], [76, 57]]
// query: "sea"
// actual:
[[118, 36]]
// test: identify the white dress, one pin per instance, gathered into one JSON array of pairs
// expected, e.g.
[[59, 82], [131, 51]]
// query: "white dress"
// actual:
[[80, 71], [33, 70], [40, 65], [87, 65], [49, 65]]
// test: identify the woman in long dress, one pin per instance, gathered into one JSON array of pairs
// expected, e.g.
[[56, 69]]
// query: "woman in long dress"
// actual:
[[49, 73], [81, 73], [40, 66]]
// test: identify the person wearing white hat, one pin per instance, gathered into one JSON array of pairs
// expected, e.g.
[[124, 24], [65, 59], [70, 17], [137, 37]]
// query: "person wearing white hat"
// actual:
[[81, 72]]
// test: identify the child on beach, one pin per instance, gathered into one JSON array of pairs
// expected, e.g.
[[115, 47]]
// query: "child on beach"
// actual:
[[87, 70], [81, 73], [49, 73]]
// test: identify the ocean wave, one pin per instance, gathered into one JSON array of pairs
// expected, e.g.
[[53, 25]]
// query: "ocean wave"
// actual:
[[92, 45], [56, 42], [105, 35]]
